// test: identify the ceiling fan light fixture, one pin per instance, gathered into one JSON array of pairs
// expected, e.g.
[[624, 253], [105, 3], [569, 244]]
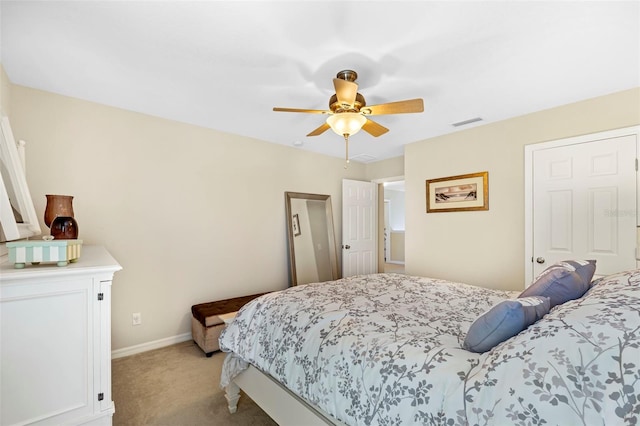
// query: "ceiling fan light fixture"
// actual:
[[346, 123]]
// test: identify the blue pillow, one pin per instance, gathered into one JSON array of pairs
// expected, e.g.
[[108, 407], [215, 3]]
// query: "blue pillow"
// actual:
[[503, 321], [563, 281]]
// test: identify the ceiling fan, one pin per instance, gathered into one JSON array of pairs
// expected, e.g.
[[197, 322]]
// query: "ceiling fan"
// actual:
[[348, 112]]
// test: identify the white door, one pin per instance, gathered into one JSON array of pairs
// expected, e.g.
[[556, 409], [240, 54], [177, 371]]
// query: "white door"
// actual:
[[358, 228], [584, 204]]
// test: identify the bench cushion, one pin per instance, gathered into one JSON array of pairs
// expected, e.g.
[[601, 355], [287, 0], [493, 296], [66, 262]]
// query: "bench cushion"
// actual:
[[207, 313]]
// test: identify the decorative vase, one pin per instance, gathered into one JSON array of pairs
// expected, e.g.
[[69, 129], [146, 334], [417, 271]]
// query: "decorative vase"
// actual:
[[57, 205], [64, 228]]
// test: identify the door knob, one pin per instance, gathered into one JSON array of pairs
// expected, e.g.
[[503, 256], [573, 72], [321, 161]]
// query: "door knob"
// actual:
[[347, 247], [540, 260]]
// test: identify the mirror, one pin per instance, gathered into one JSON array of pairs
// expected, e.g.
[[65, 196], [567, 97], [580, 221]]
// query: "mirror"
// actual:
[[17, 215], [312, 246]]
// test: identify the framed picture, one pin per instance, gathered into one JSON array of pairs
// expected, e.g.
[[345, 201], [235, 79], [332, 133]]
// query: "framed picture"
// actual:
[[295, 225], [458, 193]]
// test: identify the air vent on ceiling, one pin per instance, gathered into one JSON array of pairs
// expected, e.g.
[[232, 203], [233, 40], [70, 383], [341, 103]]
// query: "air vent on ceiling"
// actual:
[[465, 122], [363, 158]]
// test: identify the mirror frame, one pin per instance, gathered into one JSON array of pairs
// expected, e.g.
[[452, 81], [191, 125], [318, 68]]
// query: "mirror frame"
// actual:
[[333, 255], [16, 186]]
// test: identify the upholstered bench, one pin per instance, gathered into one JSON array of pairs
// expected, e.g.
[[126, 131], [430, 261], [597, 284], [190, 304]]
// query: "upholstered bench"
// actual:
[[208, 320]]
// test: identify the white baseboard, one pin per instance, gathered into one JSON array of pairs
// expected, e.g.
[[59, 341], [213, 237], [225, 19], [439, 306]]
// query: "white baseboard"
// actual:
[[148, 346]]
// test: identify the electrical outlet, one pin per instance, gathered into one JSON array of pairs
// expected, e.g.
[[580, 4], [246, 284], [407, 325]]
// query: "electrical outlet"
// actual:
[[136, 318]]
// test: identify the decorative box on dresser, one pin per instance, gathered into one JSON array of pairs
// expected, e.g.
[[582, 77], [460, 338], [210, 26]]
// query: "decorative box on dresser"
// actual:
[[55, 341]]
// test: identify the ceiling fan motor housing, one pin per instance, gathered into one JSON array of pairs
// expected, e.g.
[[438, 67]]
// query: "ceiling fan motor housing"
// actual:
[[336, 106]]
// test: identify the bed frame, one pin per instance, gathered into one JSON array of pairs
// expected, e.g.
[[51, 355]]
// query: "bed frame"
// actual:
[[277, 401]]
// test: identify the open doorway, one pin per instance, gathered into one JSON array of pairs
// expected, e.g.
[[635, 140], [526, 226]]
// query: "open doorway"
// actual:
[[392, 226]]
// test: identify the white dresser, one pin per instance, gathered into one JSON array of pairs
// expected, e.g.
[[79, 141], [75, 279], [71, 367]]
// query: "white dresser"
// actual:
[[55, 341]]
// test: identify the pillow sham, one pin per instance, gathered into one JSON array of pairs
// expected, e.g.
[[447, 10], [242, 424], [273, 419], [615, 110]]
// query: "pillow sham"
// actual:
[[503, 321], [563, 281]]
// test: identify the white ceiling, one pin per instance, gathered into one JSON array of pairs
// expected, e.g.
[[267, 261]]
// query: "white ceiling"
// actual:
[[225, 64]]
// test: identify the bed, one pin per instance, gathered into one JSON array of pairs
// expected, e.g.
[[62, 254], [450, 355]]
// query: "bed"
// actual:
[[387, 349]]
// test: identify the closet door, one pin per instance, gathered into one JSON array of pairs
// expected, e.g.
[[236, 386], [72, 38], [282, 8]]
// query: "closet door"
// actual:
[[584, 199]]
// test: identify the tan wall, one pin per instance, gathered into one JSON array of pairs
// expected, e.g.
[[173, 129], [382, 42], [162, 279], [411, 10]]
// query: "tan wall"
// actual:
[[487, 248], [5, 92], [192, 214], [397, 246], [393, 167]]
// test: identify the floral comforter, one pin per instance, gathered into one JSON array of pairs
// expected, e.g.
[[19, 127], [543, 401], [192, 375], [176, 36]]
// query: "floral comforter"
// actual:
[[385, 349]]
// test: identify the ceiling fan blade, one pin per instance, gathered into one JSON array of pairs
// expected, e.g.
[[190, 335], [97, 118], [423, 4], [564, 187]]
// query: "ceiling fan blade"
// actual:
[[320, 130], [345, 91], [309, 111], [373, 128], [400, 107]]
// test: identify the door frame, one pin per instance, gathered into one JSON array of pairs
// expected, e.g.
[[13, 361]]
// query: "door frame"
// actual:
[[380, 218], [528, 184]]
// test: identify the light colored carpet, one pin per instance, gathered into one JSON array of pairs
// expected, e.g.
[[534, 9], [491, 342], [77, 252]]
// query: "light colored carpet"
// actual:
[[176, 386]]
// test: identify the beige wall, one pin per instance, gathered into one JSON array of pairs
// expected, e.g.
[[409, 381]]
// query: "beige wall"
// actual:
[[5, 92], [487, 247], [393, 167], [192, 214]]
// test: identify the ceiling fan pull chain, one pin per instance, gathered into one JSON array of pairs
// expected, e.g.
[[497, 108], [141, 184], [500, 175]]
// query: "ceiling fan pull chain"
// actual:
[[346, 144]]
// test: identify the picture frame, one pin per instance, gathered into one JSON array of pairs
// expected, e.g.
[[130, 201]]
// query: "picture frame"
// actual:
[[295, 225], [18, 218], [468, 192]]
